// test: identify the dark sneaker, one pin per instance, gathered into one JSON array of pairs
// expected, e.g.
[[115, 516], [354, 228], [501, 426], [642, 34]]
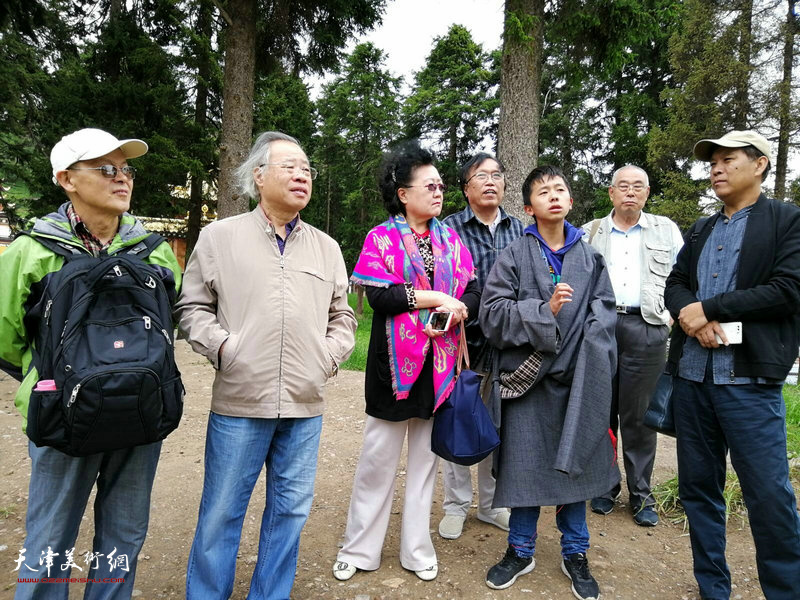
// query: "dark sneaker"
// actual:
[[602, 506], [647, 517], [584, 586], [505, 573]]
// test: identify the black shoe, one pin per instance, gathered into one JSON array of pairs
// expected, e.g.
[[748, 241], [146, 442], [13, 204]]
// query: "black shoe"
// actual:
[[584, 586], [505, 573], [647, 517], [602, 506]]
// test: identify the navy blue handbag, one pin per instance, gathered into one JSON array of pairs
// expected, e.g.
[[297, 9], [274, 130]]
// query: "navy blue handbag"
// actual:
[[463, 432]]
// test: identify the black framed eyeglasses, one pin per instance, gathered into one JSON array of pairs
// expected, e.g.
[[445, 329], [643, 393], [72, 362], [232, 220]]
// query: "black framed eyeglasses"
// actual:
[[109, 171], [431, 187]]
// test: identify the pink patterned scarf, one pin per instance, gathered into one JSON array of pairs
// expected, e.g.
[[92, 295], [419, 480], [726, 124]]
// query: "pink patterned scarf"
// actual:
[[389, 257]]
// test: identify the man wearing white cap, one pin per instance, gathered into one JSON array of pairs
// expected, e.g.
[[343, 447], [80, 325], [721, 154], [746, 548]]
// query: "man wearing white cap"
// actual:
[[92, 167], [735, 291]]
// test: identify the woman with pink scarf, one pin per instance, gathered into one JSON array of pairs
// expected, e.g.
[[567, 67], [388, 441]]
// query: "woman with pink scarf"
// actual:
[[410, 265]]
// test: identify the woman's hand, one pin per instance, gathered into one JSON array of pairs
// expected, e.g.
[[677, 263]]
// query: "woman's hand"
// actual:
[[452, 305], [561, 295]]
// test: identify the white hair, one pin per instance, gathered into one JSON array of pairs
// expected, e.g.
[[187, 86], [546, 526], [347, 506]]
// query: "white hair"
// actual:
[[640, 169], [259, 156]]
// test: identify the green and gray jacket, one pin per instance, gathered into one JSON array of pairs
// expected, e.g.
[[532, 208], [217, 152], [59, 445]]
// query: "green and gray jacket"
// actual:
[[24, 270]]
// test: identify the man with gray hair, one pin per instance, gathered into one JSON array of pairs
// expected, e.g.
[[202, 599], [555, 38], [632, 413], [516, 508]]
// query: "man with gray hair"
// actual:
[[265, 300], [640, 250]]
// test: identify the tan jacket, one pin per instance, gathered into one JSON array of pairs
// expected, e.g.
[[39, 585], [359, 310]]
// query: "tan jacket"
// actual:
[[284, 318]]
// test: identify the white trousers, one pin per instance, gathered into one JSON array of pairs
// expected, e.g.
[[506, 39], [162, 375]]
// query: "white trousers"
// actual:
[[458, 488], [373, 491]]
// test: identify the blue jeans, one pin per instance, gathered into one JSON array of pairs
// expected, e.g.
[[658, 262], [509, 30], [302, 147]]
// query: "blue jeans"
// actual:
[[750, 420], [570, 520], [59, 490], [236, 450]]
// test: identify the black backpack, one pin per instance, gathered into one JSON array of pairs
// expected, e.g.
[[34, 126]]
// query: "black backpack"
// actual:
[[104, 335]]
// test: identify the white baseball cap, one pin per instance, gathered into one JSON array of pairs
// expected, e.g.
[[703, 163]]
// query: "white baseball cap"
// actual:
[[86, 144], [733, 139]]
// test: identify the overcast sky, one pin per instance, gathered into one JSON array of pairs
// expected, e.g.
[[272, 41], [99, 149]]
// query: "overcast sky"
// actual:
[[409, 26]]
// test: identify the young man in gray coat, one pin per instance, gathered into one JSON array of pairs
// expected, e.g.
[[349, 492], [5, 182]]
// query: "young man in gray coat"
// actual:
[[548, 307]]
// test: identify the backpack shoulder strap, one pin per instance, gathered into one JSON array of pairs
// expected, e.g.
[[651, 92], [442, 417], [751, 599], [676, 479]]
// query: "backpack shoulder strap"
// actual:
[[145, 247], [595, 227], [68, 251]]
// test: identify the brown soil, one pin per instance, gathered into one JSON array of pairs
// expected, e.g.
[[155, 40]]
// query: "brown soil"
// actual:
[[629, 562]]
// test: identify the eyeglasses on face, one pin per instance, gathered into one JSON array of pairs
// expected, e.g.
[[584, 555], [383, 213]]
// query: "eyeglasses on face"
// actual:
[[483, 176], [109, 171], [290, 168], [431, 187], [636, 187]]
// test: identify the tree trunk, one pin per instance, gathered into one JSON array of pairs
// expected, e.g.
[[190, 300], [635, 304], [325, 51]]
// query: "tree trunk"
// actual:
[[359, 301], [520, 84], [742, 92], [784, 106], [237, 103], [201, 119]]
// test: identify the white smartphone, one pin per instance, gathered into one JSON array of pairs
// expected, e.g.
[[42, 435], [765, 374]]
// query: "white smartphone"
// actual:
[[732, 330], [440, 321]]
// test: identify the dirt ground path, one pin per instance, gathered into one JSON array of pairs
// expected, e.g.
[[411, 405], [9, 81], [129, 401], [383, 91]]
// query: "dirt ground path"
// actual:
[[629, 562]]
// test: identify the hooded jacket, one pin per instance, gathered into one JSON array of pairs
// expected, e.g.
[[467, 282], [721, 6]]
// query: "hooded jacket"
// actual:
[[25, 267]]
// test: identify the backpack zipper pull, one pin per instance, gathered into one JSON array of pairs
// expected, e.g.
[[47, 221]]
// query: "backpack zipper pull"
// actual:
[[118, 271], [47, 310], [146, 322], [166, 335], [73, 395]]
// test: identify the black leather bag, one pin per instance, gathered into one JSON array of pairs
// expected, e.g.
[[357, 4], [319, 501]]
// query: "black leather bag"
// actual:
[[659, 415], [463, 432]]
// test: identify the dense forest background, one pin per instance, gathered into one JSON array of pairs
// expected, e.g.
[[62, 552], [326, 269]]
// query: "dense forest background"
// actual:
[[586, 85]]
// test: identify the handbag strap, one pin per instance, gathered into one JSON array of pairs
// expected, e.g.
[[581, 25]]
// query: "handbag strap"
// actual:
[[463, 352]]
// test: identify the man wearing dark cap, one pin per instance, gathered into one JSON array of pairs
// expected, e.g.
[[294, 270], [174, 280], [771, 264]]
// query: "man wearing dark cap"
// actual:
[[735, 291], [92, 167]]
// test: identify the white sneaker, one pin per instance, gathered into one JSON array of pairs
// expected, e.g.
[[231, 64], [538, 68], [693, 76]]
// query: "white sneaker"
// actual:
[[428, 574], [450, 527], [344, 571], [498, 518]]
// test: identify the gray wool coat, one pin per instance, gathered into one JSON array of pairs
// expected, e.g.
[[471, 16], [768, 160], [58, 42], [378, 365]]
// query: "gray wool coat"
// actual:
[[555, 443]]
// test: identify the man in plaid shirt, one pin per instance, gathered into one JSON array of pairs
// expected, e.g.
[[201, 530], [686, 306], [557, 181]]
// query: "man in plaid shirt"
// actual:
[[486, 229]]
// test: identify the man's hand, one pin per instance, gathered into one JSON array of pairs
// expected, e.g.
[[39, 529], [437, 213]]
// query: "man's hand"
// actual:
[[692, 318], [706, 335], [561, 295]]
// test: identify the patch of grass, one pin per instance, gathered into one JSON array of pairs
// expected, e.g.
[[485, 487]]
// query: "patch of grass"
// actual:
[[8, 511], [791, 396], [358, 359], [668, 503]]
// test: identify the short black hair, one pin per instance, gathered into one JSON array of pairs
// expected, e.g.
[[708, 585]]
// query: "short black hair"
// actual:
[[396, 171], [471, 164], [754, 154], [541, 173]]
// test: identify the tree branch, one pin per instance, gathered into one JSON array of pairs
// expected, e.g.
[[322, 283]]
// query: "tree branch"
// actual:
[[223, 12]]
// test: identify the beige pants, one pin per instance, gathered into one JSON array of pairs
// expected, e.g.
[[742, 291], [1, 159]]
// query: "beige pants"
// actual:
[[373, 491]]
